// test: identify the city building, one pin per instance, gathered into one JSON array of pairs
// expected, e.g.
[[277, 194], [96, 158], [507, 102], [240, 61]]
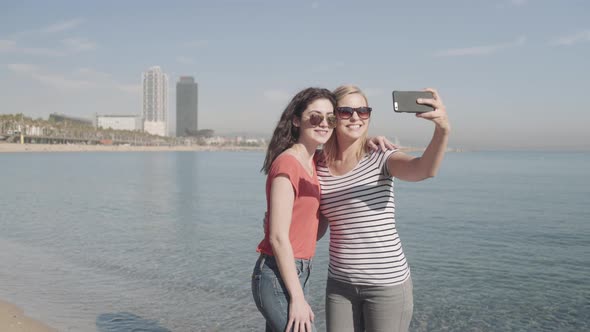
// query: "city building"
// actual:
[[186, 106], [155, 101], [119, 122]]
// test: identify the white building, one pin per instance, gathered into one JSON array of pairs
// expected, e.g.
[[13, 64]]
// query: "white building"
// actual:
[[155, 101], [119, 122]]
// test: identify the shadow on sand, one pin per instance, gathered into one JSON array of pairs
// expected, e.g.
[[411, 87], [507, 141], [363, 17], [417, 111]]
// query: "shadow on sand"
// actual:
[[127, 322]]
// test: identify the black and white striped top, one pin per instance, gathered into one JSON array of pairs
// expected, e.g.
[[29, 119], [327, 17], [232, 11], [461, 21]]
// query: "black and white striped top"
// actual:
[[365, 248]]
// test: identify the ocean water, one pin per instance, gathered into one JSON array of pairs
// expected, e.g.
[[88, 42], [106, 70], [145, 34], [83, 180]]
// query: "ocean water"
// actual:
[[498, 241]]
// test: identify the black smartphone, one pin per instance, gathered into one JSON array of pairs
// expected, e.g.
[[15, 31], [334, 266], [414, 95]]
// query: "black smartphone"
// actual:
[[405, 101]]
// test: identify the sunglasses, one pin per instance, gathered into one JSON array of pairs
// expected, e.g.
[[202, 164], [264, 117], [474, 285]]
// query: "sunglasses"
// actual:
[[346, 112], [316, 118]]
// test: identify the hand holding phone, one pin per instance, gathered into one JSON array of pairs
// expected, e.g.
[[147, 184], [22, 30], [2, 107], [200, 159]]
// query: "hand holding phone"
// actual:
[[405, 101]]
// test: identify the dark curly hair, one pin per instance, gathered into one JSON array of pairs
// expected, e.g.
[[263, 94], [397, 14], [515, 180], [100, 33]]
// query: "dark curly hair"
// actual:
[[285, 133]]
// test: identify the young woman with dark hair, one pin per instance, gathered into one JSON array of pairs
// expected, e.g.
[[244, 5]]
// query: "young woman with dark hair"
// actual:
[[281, 274]]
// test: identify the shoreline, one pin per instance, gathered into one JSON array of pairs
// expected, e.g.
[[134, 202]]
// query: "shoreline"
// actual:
[[18, 148], [13, 319], [24, 148]]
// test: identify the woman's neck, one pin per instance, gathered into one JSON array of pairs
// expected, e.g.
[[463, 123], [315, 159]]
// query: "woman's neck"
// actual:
[[305, 151], [348, 150]]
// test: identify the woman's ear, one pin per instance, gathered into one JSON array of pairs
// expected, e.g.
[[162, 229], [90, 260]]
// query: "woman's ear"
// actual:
[[296, 122]]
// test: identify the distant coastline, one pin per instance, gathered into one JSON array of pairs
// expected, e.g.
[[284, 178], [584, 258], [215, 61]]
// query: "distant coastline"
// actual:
[[17, 148]]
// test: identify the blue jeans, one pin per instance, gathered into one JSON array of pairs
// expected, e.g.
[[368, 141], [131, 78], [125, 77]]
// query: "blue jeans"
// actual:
[[271, 295]]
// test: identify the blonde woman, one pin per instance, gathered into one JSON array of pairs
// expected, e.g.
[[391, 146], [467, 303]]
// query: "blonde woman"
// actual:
[[369, 287]]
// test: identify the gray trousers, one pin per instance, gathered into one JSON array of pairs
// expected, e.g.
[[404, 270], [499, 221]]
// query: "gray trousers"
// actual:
[[358, 308]]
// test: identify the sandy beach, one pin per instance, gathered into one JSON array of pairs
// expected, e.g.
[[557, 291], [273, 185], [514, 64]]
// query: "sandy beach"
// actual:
[[13, 147], [13, 319]]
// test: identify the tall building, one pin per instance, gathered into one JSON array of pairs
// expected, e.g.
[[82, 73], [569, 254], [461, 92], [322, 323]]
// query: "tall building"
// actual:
[[155, 101], [186, 106]]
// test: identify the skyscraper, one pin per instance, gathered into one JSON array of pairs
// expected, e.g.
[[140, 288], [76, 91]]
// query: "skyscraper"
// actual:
[[186, 106], [155, 101]]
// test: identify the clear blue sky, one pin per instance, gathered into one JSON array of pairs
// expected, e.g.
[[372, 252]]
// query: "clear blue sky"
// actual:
[[513, 73]]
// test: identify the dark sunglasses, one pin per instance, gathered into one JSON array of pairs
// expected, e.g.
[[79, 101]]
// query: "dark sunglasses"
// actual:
[[316, 118], [346, 112]]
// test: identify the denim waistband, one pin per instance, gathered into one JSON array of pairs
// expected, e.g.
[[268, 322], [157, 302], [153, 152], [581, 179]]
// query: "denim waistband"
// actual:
[[301, 263]]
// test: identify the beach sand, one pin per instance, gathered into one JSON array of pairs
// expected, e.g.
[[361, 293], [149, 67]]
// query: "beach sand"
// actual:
[[13, 147], [12, 319]]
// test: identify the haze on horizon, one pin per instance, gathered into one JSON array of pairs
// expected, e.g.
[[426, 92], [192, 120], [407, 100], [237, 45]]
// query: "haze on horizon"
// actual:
[[513, 73]]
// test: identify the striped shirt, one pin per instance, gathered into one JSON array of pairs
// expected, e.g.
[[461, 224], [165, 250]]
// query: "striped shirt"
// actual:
[[365, 248]]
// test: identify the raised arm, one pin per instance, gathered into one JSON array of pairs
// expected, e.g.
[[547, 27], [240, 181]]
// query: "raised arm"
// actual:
[[410, 168], [281, 207]]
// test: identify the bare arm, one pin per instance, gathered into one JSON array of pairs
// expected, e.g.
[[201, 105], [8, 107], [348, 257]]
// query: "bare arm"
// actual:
[[281, 207], [410, 168]]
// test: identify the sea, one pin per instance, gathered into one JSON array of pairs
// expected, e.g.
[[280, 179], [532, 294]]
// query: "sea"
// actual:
[[165, 241]]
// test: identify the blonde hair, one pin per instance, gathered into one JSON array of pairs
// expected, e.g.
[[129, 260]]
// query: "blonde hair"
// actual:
[[330, 148]]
